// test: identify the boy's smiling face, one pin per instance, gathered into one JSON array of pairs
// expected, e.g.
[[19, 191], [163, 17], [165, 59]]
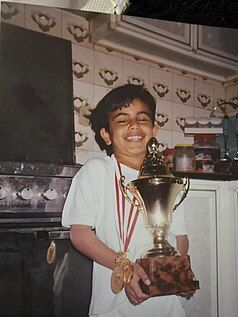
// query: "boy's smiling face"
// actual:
[[130, 128]]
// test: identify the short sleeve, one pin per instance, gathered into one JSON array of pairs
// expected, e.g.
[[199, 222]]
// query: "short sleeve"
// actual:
[[81, 203]]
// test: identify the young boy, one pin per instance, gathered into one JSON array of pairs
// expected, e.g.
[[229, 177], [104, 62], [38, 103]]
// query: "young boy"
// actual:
[[123, 122]]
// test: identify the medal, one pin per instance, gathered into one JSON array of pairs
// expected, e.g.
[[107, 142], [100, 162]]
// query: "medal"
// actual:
[[117, 279], [123, 271]]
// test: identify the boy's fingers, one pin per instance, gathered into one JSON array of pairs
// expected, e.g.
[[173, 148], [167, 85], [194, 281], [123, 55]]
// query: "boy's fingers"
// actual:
[[142, 275]]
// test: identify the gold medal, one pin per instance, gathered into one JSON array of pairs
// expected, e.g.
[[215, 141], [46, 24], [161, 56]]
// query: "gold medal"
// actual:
[[51, 253], [128, 273], [117, 279]]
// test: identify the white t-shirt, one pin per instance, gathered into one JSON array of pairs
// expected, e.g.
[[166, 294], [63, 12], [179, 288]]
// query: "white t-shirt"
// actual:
[[92, 201]]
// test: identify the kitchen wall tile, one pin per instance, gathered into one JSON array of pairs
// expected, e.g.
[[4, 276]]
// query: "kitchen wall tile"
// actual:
[[180, 111], [178, 137], [84, 136], [83, 156], [76, 29], [183, 90], [107, 50], [107, 70], [232, 93], [160, 83], [203, 96], [199, 112], [83, 98], [136, 59], [83, 63], [98, 93], [164, 114], [46, 20], [219, 93], [165, 137], [13, 13], [135, 73]]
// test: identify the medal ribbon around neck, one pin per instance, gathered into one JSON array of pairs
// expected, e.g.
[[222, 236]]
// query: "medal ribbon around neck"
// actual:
[[125, 229]]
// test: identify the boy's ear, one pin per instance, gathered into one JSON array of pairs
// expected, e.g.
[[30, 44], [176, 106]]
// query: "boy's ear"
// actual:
[[155, 130], [106, 136]]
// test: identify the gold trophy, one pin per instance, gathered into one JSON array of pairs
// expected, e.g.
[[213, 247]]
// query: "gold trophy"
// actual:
[[156, 191]]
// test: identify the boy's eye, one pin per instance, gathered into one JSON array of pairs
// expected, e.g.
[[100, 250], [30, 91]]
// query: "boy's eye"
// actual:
[[143, 119]]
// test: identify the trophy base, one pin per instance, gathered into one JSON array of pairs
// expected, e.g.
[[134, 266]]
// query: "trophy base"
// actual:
[[169, 275]]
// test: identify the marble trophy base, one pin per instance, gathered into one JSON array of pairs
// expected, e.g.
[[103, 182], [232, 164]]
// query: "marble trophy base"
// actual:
[[169, 275]]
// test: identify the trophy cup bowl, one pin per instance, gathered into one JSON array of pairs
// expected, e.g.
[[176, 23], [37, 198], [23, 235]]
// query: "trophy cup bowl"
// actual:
[[156, 191]]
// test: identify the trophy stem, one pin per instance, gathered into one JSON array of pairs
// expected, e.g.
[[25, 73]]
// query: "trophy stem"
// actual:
[[161, 247]]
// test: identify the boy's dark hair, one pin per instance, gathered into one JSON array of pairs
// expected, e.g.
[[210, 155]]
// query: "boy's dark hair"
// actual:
[[117, 98]]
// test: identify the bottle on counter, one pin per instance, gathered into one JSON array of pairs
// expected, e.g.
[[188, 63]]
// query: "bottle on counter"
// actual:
[[207, 153], [184, 158]]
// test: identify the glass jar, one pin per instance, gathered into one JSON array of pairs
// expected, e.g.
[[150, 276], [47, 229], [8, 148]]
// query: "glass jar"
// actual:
[[184, 158], [207, 152]]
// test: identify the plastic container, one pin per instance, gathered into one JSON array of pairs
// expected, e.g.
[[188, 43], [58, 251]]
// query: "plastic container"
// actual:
[[207, 152], [184, 158]]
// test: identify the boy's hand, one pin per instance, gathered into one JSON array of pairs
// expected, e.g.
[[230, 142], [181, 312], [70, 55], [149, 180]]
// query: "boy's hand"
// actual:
[[133, 290]]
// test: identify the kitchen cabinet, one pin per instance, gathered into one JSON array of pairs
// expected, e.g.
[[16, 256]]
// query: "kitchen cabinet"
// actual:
[[207, 51], [211, 214]]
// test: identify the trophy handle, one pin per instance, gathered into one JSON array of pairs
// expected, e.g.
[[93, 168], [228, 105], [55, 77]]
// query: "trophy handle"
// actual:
[[132, 189], [186, 185]]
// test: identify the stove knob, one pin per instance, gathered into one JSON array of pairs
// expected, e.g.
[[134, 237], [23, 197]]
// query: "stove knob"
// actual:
[[26, 193], [3, 193], [50, 194]]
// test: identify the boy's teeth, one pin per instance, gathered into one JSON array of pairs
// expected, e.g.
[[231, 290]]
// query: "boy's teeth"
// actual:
[[134, 138]]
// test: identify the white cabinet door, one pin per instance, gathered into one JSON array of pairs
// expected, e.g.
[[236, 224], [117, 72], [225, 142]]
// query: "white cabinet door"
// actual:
[[211, 213], [200, 215]]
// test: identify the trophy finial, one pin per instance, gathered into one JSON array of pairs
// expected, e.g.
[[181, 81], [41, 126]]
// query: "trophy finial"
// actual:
[[154, 164]]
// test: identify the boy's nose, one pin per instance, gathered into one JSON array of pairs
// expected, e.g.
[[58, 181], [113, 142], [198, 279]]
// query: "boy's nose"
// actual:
[[134, 124]]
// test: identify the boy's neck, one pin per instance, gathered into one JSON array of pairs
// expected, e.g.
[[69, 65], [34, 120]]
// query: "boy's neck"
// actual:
[[134, 163]]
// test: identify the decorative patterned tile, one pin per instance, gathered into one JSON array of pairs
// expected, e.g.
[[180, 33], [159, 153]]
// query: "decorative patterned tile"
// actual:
[[164, 114], [204, 94], [75, 28], [46, 20], [83, 63], [160, 83], [199, 112], [183, 90], [83, 98], [84, 136], [179, 112], [13, 13], [107, 70], [107, 50], [219, 93], [135, 73]]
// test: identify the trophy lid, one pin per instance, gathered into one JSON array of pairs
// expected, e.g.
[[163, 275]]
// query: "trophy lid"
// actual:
[[154, 164]]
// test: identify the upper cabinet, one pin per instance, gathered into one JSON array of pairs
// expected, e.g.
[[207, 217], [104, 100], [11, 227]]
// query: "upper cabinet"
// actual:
[[204, 50]]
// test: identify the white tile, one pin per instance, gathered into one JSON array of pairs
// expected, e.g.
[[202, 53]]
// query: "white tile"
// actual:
[[164, 114], [13, 13], [98, 93], [75, 28], [83, 63], [180, 111], [178, 137], [107, 50], [107, 70], [46, 20], [135, 73], [165, 137], [199, 112], [160, 83], [204, 95], [83, 156], [183, 87]]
